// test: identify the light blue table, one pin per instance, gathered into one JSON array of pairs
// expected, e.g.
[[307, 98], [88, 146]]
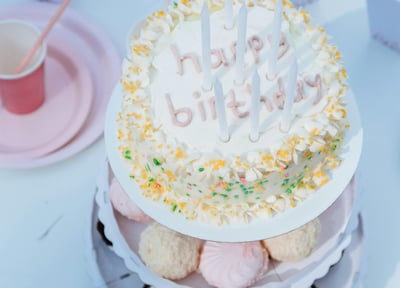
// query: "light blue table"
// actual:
[[43, 211]]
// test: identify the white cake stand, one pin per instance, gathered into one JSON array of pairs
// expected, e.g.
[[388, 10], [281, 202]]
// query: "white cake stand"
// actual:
[[121, 231], [108, 270]]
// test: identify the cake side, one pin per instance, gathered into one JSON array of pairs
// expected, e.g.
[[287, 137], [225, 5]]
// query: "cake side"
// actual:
[[167, 125]]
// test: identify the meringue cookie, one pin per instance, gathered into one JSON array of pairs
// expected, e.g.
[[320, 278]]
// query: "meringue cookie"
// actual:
[[233, 265], [124, 205]]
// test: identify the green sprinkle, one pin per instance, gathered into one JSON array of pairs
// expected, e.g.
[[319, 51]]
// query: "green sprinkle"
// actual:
[[156, 162], [228, 189], [214, 194], [236, 196], [285, 182], [175, 4], [187, 194], [224, 195], [293, 186], [289, 191], [309, 158], [151, 180], [174, 207], [132, 176], [128, 157], [148, 167], [127, 152], [201, 169], [334, 147]]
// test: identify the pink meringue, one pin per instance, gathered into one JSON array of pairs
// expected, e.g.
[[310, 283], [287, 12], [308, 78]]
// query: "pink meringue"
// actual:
[[124, 205], [233, 265]]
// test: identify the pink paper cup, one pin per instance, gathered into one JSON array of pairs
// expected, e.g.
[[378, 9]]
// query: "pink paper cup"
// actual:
[[24, 92]]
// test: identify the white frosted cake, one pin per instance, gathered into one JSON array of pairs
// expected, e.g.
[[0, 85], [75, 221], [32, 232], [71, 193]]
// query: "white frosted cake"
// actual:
[[169, 125]]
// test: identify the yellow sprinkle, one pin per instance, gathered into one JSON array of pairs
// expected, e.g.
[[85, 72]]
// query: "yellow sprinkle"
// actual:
[[130, 86], [135, 69], [180, 154], [306, 17], [141, 49], [283, 154], [137, 116], [170, 175], [343, 73], [288, 4], [216, 164], [159, 14]]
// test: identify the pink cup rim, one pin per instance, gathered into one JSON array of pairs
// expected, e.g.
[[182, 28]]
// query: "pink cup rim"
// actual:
[[42, 50]]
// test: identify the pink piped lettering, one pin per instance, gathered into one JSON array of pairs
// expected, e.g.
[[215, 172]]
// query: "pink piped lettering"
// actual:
[[235, 105], [220, 57], [317, 83], [180, 59], [279, 97], [177, 114], [300, 92], [255, 44]]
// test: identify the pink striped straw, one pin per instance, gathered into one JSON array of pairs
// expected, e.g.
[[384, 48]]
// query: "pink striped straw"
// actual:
[[39, 41]]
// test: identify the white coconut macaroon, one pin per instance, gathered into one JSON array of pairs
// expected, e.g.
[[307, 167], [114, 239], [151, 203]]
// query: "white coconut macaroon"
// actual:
[[295, 245], [167, 253]]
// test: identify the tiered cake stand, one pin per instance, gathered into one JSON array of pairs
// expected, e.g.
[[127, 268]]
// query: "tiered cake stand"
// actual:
[[336, 261], [339, 249]]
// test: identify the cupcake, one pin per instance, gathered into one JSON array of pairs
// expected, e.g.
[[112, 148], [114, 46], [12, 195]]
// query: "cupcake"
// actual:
[[167, 253], [295, 245], [233, 265], [124, 205]]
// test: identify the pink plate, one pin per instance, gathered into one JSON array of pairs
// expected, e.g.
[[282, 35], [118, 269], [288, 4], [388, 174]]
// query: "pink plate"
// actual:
[[69, 95], [97, 53]]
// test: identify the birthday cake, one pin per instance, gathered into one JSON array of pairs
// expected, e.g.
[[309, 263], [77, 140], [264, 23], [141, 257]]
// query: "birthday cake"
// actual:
[[231, 114]]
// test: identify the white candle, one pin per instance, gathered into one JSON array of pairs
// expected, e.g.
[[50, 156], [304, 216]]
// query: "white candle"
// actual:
[[221, 115], [241, 44], [228, 11], [276, 37], [289, 97], [205, 44], [255, 107]]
